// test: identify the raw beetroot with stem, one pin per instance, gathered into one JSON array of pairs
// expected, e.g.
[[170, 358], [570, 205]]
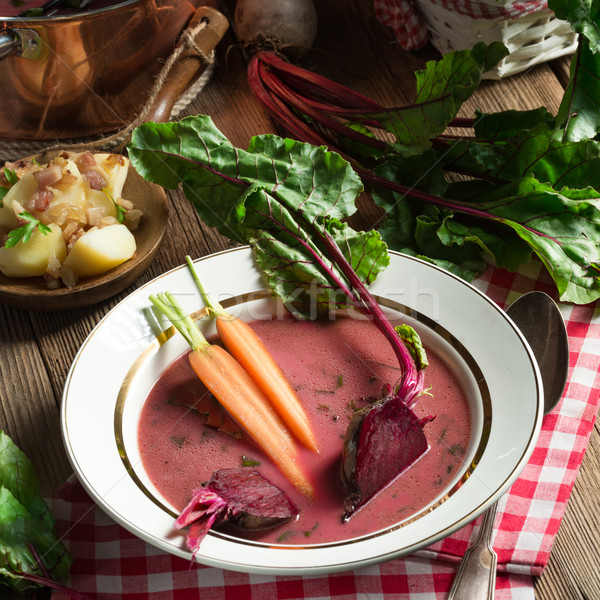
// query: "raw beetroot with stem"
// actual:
[[290, 26]]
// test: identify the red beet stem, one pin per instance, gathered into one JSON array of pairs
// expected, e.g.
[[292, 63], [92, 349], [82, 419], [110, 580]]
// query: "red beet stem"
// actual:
[[328, 90], [271, 81]]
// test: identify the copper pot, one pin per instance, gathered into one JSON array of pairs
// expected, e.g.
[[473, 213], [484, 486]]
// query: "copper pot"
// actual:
[[79, 75]]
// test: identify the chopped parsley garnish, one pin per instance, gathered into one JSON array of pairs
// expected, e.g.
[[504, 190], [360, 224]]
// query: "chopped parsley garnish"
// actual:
[[248, 461], [283, 537], [456, 449], [25, 232], [178, 440], [11, 176]]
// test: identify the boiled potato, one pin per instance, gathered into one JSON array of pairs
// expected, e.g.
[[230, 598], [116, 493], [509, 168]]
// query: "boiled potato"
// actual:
[[99, 250], [72, 191], [21, 191], [115, 167], [100, 199], [61, 194], [31, 259], [8, 219]]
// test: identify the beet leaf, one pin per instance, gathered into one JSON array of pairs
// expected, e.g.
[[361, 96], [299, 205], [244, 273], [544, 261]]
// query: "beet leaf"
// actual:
[[407, 155], [579, 113], [31, 555], [287, 200]]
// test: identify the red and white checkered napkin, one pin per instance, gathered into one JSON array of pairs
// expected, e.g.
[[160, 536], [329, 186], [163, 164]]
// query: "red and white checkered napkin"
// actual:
[[110, 563], [404, 18]]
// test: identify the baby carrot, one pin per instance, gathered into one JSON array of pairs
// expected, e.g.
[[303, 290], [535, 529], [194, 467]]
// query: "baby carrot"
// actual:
[[243, 343], [235, 390]]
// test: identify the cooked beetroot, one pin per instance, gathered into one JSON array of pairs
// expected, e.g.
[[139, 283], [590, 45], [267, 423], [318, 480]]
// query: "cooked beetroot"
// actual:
[[382, 440], [242, 497]]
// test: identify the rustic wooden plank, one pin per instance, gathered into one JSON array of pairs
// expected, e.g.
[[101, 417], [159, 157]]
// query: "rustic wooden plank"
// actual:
[[354, 49], [228, 99], [573, 568], [561, 69], [186, 234], [36, 349], [29, 404], [539, 88]]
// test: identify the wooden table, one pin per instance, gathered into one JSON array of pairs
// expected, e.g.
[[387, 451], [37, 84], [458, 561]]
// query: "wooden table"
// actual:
[[37, 348]]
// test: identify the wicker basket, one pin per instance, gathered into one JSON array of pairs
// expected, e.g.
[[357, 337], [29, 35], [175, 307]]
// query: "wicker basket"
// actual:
[[531, 38]]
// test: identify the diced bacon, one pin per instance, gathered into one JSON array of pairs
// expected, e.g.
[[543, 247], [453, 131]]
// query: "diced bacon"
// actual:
[[126, 204], [85, 161], [74, 237], [19, 166], [114, 159], [68, 277], [53, 272], [96, 181], [48, 176], [106, 221], [39, 200], [132, 218]]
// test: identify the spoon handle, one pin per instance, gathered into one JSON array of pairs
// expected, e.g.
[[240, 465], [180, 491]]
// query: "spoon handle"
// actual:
[[476, 576]]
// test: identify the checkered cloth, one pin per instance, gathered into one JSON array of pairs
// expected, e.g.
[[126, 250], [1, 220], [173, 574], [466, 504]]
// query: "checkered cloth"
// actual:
[[110, 563], [404, 19]]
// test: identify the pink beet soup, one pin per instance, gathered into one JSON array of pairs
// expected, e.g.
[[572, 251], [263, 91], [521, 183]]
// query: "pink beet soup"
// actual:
[[335, 366]]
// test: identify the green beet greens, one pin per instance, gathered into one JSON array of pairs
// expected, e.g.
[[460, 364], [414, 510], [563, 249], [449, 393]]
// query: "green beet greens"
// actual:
[[531, 187], [30, 553], [289, 201], [530, 179]]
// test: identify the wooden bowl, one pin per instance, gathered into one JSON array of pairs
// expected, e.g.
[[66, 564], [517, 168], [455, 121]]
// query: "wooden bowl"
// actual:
[[33, 293]]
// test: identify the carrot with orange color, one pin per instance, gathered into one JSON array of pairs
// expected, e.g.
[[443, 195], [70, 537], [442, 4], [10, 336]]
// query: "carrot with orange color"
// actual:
[[235, 390], [248, 349]]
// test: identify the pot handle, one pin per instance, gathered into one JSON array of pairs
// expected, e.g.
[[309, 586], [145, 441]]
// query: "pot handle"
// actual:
[[25, 43], [191, 64]]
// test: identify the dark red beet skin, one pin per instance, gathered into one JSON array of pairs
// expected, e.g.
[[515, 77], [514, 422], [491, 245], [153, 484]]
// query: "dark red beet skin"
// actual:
[[382, 441], [242, 497], [253, 502]]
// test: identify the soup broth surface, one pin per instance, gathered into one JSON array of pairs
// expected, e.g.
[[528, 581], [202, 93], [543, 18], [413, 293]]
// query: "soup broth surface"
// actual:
[[336, 367]]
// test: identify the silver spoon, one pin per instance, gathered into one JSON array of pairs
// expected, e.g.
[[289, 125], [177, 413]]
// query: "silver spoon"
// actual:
[[540, 321]]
